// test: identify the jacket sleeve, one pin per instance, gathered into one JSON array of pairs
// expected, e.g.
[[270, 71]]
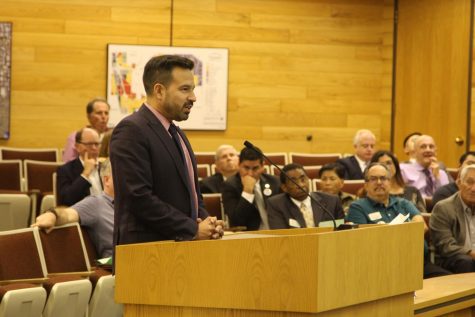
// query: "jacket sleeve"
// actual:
[[277, 220], [70, 190], [239, 210]]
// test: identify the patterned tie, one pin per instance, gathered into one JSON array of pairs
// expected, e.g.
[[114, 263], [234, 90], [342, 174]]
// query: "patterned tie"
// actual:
[[307, 215], [259, 199], [176, 139], [174, 133], [429, 189]]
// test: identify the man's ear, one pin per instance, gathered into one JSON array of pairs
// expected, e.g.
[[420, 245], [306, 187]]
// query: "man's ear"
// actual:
[[159, 91], [283, 187]]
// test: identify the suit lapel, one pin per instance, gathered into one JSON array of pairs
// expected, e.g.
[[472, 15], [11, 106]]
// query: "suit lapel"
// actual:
[[460, 214], [157, 127], [316, 209], [357, 167], [192, 157], [295, 212]]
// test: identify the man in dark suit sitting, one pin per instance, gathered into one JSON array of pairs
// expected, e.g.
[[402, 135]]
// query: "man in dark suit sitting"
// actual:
[[245, 194], [294, 208], [364, 144], [80, 177], [227, 164]]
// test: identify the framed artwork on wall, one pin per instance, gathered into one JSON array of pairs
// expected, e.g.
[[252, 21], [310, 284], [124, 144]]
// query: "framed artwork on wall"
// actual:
[[125, 91], [5, 78]]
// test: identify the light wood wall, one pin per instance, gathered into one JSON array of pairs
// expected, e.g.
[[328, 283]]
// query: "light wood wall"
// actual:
[[297, 68], [432, 73]]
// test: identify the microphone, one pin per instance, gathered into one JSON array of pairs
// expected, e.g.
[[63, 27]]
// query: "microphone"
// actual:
[[249, 145]]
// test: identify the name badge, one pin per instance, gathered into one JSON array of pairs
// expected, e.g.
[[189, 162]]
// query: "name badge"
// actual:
[[293, 223], [267, 191], [375, 216]]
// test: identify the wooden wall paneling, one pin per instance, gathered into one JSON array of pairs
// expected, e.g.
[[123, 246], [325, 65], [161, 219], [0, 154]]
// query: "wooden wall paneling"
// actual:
[[59, 59], [432, 72], [328, 74], [297, 68]]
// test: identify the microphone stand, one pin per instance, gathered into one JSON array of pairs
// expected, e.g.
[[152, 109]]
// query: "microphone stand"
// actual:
[[325, 210]]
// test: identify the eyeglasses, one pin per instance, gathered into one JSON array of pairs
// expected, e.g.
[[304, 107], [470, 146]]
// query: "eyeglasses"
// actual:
[[90, 144], [375, 179], [469, 182]]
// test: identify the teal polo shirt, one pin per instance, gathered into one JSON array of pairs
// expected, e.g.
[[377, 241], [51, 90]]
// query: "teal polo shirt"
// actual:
[[366, 210]]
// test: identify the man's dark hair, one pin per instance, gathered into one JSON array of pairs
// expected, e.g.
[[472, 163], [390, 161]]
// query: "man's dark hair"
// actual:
[[464, 156], [409, 136], [248, 154], [335, 167], [90, 104], [397, 169], [159, 70], [290, 167]]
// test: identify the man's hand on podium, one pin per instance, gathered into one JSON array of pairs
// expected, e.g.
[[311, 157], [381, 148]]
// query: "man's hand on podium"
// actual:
[[210, 228]]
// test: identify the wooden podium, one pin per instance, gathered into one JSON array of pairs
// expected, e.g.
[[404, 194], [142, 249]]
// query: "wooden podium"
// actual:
[[371, 271]]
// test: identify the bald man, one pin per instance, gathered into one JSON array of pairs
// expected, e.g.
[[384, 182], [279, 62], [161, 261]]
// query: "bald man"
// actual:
[[425, 173], [80, 177], [227, 165], [364, 144]]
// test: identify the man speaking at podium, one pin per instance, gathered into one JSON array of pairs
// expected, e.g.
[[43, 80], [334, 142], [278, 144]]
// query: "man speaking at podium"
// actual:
[[157, 196]]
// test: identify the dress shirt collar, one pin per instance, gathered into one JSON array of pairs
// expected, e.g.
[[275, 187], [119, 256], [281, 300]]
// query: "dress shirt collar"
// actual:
[[306, 201], [361, 163], [466, 208], [374, 203], [164, 121], [420, 167]]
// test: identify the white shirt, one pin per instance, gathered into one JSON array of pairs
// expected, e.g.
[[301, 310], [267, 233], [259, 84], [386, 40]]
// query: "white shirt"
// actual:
[[361, 163]]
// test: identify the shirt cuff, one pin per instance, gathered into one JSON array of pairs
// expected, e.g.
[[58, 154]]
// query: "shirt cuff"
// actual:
[[248, 197]]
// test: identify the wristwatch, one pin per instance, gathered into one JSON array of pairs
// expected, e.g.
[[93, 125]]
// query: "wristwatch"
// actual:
[[52, 210]]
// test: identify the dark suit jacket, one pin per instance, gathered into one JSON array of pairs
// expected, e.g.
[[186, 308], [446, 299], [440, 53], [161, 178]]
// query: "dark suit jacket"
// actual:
[[444, 192], [240, 211], [352, 168], [71, 186], [212, 184], [152, 198], [281, 209]]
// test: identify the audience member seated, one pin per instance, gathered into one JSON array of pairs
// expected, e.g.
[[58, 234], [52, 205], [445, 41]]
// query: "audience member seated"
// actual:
[[448, 190], [245, 194], [80, 178], [409, 146], [98, 116], [397, 187], [331, 182], [364, 143], [227, 164], [452, 225], [425, 174], [380, 207], [294, 209], [95, 213]]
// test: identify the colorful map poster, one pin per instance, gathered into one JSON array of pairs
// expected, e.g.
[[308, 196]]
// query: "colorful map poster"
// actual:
[[5, 77], [125, 91]]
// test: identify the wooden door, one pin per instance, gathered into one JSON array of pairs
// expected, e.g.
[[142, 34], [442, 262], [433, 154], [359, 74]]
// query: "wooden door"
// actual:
[[432, 67]]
